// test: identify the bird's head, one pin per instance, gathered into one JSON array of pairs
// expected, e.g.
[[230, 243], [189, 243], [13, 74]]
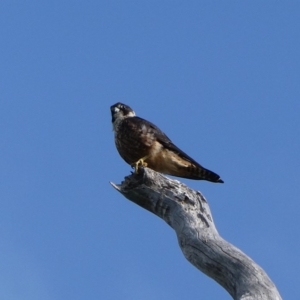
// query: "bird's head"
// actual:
[[120, 111]]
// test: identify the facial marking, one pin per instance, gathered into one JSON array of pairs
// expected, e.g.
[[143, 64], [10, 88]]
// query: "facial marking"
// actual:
[[131, 114]]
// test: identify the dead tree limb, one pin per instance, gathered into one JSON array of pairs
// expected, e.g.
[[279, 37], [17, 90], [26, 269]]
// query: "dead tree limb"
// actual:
[[188, 213]]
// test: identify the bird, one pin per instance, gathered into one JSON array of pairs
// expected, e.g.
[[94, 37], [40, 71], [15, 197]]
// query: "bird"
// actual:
[[141, 143]]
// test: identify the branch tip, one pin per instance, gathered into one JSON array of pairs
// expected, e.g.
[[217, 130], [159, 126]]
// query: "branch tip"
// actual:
[[116, 186]]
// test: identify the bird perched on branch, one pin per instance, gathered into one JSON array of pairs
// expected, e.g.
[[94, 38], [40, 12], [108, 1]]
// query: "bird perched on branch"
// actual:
[[141, 143]]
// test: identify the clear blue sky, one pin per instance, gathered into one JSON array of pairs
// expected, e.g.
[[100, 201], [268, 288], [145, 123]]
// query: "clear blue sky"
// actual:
[[221, 79]]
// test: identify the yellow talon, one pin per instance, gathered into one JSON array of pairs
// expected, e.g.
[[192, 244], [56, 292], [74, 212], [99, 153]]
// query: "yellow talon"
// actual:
[[141, 162]]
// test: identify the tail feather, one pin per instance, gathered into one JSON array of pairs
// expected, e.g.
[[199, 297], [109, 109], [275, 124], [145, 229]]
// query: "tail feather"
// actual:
[[209, 175], [200, 173]]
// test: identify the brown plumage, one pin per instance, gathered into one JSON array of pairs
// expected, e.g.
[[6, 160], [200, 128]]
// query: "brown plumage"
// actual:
[[140, 142]]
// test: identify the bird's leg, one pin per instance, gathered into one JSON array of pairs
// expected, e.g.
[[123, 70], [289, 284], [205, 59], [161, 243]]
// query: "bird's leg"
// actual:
[[141, 162]]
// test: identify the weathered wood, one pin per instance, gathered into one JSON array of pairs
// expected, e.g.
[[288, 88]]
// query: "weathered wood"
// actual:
[[188, 213]]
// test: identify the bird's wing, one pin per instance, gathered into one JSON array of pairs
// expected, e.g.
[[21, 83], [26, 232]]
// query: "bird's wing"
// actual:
[[163, 139]]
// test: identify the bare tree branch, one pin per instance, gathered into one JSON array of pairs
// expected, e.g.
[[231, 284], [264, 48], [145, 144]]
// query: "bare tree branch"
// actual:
[[188, 213]]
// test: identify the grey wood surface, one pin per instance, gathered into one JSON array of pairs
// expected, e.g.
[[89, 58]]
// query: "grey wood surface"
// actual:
[[188, 213]]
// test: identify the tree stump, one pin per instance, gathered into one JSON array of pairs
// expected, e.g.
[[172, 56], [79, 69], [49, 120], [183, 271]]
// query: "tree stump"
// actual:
[[188, 213]]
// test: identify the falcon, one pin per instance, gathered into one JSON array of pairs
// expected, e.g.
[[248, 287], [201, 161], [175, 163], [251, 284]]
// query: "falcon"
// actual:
[[141, 143]]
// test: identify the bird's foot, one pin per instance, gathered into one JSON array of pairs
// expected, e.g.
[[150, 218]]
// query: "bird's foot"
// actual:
[[140, 163]]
